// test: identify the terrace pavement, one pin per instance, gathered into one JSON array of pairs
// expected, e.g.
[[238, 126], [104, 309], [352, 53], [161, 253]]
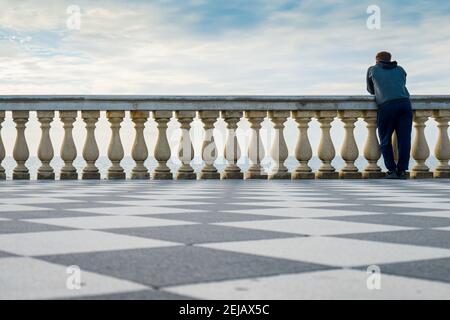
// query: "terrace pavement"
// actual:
[[225, 239]]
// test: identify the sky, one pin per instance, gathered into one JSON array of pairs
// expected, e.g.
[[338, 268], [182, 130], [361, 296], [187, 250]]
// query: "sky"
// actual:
[[190, 47], [218, 47]]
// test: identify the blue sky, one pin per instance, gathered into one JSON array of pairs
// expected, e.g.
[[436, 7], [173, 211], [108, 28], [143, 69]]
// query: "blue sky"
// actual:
[[218, 47]]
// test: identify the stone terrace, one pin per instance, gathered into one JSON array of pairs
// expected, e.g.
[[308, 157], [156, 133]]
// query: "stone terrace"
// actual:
[[225, 239]]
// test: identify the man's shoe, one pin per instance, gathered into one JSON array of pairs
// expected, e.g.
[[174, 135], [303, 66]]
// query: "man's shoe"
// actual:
[[391, 174], [402, 174]]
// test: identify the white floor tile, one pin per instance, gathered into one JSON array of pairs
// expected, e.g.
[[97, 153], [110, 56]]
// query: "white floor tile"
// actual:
[[27, 278], [444, 229], [315, 227], [299, 212], [108, 222], [65, 194], [35, 200], [393, 194], [333, 251], [61, 242], [18, 207], [166, 197], [409, 199], [152, 203], [311, 203], [288, 197], [134, 210], [333, 284], [441, 205]]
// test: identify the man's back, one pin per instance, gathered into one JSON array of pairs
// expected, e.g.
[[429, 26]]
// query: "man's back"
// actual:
[[387, 81]]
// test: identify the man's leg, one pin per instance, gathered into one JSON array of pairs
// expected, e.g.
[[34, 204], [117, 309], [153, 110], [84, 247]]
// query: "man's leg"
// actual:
[[403, 129], [386, 126]]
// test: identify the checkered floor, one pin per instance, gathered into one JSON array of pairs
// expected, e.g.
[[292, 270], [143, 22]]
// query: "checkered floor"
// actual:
[[224, 239]]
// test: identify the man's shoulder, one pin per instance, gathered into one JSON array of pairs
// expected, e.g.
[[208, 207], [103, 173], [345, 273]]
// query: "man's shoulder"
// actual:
[[370, 69], [401, 69]]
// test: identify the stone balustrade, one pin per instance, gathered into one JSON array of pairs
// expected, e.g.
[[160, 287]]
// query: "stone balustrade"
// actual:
[[255, 109]]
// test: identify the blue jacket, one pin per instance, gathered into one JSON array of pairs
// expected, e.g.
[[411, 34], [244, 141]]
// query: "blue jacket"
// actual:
[[387, 81]]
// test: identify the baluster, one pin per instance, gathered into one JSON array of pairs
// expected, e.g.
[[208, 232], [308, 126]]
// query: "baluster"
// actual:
[[115, 149], [90, 150], [349, 148], [68, 149], [279, 150], [232, 151], [303, 151], [420, 150], [442, 149], [372, 151], [255, 149], [326, 152], [2, 147], [139, 151], [185, 149], [209, 148], [45, 149], [162, 147], [20, 152]]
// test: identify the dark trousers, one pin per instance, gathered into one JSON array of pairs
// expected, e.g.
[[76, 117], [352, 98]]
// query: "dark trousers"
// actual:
[[395, 116]]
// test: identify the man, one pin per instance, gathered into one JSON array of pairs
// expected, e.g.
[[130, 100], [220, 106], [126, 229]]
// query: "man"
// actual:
[[387, 81]]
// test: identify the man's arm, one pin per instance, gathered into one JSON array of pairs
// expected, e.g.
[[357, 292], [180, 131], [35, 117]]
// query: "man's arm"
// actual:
[[401, 68], [404, 72], [369, 81]]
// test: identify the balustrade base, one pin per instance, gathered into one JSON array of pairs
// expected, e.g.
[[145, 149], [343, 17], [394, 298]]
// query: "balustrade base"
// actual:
[[140, 175], [90, 176], [279, 175], [350, 175], [209, 175], [68, 176], [46, 176], [421, 175], [21, 176], [255, 175], [441, 174], [162, 176], [186, 176], [373, 175], [232, 175], [303, 175], [327, 175], [116, 175]]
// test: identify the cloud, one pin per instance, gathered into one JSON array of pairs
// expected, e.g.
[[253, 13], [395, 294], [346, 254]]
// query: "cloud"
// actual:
[[218, 47]]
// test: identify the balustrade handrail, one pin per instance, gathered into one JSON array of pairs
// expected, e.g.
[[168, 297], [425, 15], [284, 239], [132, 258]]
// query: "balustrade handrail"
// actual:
[[232, 102]]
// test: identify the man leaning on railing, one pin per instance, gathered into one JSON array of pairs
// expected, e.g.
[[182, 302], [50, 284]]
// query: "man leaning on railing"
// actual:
[[387, 81]]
